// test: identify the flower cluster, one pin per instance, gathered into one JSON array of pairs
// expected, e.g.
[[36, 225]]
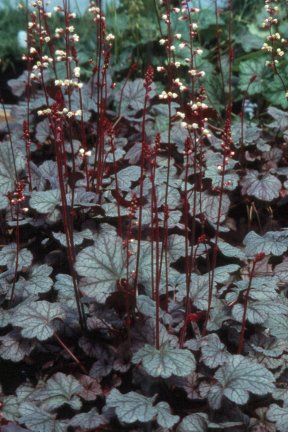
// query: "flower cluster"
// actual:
[[96, 12], [17, 196], [68, 83], [275, 44], [64, 112]]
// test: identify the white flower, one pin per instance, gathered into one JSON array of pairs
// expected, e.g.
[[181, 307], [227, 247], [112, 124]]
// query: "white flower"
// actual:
[[110, 37], [192, 72], [75, 37], [77, 71], [280, 52], [180, 114]]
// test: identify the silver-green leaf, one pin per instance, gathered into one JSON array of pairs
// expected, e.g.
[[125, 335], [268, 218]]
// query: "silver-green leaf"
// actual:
[[194, 423], [36, 319], [38, 420], [164, 416], [229, 250], [102, 265], [60, 389], [10, 258], [88, 420], [78, 237], [278, 415], [272, 242], [132, 406], [239, 376], [39, 280], [166, 361], [45, 201], [213, 350], [13, 347], [265, 187]]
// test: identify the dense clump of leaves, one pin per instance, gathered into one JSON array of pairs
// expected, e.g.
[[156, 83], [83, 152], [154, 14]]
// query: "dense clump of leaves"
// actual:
[[144, 237]]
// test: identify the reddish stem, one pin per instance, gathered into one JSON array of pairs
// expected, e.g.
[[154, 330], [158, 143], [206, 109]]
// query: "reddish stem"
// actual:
[[70, 353], [242, 333]]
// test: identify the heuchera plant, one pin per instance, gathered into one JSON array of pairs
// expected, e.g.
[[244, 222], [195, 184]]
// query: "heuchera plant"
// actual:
[[144, 268]]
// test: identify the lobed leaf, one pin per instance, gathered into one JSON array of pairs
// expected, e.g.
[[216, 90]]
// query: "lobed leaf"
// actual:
[[194, 423], [18, 85], [45, 201], [166, 361], [39, 280], [60, 389], [272, 242], [280, 117], [132, 406], [251, 68], [258, 312], [164, 416], [239, 376], [43, 131], [8, 257], [102, 265], [214, 353], [265, 187], [229, 250], [133, 94], [38, 420], [78, 237], [88, 420], [278, 415], [13, 347], [36, 319]]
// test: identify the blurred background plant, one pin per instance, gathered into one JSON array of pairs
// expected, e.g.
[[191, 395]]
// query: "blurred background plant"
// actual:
[[12, 21], [137, 30]]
